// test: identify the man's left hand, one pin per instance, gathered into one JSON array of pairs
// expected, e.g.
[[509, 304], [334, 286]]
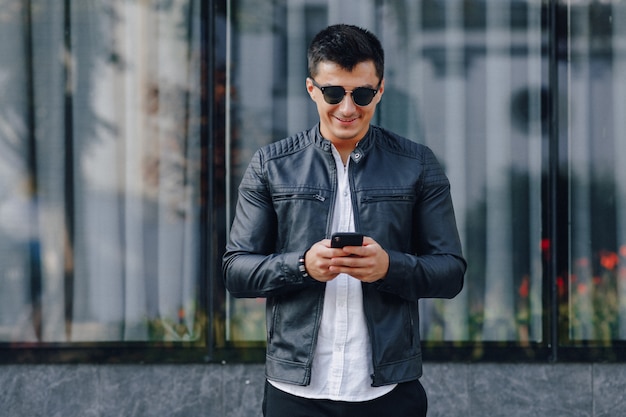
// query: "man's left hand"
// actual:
[[367, 263]]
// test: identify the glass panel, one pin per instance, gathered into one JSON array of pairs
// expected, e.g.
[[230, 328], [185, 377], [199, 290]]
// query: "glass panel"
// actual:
[[596, 72], [469, 82], [467, 78], [100, 171]]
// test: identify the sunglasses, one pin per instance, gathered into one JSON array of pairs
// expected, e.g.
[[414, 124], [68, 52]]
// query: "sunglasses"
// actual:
[[334, 94]]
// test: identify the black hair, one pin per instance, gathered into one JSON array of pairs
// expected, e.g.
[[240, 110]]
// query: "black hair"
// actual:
[[346, 46]]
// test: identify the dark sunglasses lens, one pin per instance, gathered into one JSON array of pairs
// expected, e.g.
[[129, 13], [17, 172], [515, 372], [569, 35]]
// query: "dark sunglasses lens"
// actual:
[[363, 96], [333, 94]]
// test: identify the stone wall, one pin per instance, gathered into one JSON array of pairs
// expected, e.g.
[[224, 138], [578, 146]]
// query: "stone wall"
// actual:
[[454, 389]]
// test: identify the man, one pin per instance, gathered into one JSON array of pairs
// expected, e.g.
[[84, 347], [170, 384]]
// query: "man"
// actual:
[[342, 323]]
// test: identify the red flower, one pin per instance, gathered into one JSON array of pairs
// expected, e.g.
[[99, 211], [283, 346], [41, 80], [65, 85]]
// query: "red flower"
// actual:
[[609, 260], [524, 288]]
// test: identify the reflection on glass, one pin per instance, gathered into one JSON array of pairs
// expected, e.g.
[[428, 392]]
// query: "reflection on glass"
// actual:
[[594, 295], [100, 163], [468, 79]]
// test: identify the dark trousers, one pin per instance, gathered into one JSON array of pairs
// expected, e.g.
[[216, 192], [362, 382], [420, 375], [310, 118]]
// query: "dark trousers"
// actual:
[[406, 400]]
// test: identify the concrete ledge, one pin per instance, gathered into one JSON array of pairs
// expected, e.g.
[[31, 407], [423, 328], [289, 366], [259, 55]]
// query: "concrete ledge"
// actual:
[[454, 389]]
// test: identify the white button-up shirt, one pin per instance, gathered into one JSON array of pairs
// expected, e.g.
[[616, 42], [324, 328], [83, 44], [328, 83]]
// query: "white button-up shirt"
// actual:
[[342, 365]]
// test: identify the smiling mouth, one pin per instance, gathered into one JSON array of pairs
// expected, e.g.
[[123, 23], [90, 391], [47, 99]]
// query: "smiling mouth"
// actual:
[[342, 120]]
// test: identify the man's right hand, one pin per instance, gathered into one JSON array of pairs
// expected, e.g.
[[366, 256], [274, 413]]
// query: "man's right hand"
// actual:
[[317, 260]]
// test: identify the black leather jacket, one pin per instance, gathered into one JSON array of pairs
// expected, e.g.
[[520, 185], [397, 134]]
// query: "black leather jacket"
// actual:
[[401, 199]]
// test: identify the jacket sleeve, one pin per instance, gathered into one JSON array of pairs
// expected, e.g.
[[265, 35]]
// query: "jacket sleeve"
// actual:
[[251, 267], [436, 267]]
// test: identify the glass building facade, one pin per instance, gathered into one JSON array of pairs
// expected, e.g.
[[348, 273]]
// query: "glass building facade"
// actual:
[[125, 127]]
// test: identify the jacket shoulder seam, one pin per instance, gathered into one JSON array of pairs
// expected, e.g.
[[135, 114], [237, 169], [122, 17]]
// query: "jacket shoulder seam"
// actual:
[[434, 174], [287, 146]]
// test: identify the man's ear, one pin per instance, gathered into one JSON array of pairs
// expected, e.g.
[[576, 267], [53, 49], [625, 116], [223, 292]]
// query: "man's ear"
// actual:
[[381, 90], [310, 87]]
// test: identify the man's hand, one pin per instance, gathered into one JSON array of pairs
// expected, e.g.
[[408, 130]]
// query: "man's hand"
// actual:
[[367, 263]]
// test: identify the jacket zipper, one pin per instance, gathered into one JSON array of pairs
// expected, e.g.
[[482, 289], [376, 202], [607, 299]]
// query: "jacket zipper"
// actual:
[[300, 196], [398, 198]]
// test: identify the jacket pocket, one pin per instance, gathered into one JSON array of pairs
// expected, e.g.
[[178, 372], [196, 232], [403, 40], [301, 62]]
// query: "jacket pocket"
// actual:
[[298, 196], [271, 319], [411, 325], [389, 198], [301, 217], [388, 216]]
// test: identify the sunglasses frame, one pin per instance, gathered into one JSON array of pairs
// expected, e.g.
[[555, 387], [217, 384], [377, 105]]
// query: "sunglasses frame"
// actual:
[[323, 89]]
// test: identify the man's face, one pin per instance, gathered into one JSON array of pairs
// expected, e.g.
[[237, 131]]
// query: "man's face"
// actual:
[[345, 123]]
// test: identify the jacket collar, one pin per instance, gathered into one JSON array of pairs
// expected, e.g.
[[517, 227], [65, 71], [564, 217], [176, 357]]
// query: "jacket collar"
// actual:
[[358, 154]]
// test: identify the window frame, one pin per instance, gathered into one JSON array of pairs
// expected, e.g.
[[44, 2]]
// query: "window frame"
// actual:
[[556, 347]]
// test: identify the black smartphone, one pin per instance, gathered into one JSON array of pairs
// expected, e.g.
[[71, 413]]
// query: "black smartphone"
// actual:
[[339, 240]]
